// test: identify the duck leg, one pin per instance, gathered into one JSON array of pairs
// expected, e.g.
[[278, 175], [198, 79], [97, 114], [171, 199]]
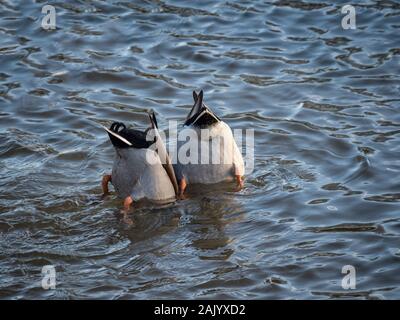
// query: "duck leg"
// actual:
[[127, 205], [104, 183], [182, 188], [238, 177], [239, 182]]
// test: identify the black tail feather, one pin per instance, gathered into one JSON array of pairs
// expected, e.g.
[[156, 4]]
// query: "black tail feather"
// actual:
[[116, 126], [153, 120], [136, 138], [195, 118]]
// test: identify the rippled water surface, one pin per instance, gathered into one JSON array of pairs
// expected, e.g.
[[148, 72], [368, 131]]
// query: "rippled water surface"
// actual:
[[324, 103]]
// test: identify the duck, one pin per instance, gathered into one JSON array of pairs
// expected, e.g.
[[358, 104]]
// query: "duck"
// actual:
[[142, 168], [225, 161]]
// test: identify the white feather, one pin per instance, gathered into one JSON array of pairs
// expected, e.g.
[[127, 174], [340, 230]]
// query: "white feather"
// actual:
[[227, 153]]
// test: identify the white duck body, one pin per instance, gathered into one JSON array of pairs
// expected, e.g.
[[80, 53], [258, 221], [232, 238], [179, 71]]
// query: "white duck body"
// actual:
[[139, 173], [142, 168], [224, 160]]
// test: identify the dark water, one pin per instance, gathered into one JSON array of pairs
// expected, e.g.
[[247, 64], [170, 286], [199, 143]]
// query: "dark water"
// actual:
[[324, 103]]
